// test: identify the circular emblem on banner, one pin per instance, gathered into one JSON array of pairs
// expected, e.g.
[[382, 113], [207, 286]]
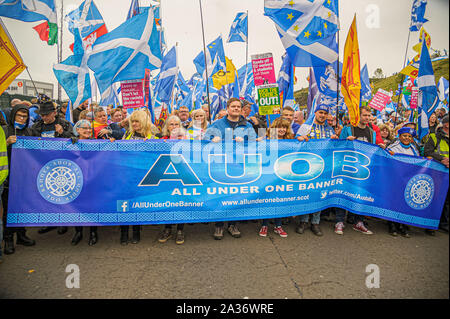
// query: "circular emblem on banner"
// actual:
[[60, 181], [19, 84], [419, 191]]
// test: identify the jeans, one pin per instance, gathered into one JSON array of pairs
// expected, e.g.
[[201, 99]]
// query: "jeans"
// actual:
[[277, 222], [340, 216], [315, 218]]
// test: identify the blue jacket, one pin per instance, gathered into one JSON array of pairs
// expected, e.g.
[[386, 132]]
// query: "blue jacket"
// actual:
[[347, 131], [243, 129]]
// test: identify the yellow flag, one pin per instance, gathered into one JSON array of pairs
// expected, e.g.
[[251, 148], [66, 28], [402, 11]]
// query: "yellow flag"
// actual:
[[11, 64], [351, 79], [423, 35], [222, 78]]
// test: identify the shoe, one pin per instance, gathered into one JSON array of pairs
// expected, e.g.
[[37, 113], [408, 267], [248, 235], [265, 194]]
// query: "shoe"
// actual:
[[179, 240], [392, 229], [9, 245], [427, 231], [403, 232], [77, 238], [218, 233], [279, 230], [301, 228], [339, 228], [444, 228], [62, 230], [166, 234], [124, 236], [22, 239], [136, 235], [316, 230], [93, 238], [234, 231], [44, 230], [263, 231], [361, 228]]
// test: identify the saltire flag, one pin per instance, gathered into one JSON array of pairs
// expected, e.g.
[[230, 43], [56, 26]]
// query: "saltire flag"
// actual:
[[351, 74], [73, 74], [134, 9], [366, 89], [189, 100], [307, 29], [69, 113], [125, 53], [167, 78], [31, 11], [215, 59], [286, 81], [417, 14], [88, 20], [239, 28], [110, 96], [193, 80], [11, 62], [428, 94], [313, 90], [183, 88]]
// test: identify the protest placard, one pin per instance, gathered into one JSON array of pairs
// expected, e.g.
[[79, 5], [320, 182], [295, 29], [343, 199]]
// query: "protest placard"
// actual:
[[268, 99], [263, 69], [132, 94], [414, 97], [380, 100]]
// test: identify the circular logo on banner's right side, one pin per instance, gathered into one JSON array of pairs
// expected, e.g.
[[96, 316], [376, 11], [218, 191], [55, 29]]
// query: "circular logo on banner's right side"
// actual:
[[60, 181], [419, 191]]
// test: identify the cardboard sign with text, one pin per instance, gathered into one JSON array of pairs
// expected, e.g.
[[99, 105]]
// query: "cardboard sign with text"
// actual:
[[263, 69], [269, 99], [132, 94], [414, 97], [380, 100]]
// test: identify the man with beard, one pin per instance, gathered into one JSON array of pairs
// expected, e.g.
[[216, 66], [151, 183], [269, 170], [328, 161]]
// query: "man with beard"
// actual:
[[318, 130]]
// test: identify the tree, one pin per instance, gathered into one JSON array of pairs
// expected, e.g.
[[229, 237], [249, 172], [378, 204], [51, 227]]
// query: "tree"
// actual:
[[378, 74]]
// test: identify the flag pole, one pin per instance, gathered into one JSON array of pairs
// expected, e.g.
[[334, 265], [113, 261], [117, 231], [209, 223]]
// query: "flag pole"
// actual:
[[206, 63], [246, 57], [337, 85]]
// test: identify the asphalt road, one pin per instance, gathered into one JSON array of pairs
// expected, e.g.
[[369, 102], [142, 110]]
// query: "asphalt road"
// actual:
[[300, 266]]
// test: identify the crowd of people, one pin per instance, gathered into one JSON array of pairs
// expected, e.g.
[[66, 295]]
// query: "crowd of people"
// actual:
[[44, 119]]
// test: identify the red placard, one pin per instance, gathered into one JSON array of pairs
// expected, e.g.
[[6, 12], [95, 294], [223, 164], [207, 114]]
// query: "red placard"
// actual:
[[414, 97], [380, 100], [132, 94], [263, 69]]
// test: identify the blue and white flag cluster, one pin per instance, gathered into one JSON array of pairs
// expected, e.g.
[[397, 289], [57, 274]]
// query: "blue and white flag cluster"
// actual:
[[29, 11], [167, 77], [428, 95], [417, 14], [73, 74], [215, 58], [286, 82], [366, 89], [86, 18], [125, 53], [239, 28]]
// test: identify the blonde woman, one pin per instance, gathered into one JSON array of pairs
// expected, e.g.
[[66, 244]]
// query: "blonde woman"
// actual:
[[386, 135], [140, 127], [197, 128], [173, 129]]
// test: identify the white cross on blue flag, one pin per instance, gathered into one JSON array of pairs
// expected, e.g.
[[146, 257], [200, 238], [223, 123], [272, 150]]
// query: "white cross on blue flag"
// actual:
[[428, 95], [85, 18], [167, 77], [125, 53], [215, 58], [73, 74], [29, 10], [239, 28]]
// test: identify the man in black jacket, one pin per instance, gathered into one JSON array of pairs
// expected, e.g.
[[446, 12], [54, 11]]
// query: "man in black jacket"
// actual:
[[17, 125], [50, 125], [76, 112]]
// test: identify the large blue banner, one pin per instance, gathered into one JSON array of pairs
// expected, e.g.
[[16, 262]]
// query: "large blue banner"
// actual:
[[55, 182]]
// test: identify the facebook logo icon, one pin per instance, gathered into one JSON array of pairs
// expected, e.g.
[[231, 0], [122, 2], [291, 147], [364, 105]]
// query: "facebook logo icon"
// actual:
[[123, 206]]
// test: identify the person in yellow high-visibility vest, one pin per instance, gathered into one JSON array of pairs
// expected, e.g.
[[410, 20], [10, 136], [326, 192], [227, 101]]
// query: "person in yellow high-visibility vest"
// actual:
[[437, 148], [3, 175]]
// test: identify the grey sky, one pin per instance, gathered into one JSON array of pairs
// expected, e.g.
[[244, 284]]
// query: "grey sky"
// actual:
[[379, 47]]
